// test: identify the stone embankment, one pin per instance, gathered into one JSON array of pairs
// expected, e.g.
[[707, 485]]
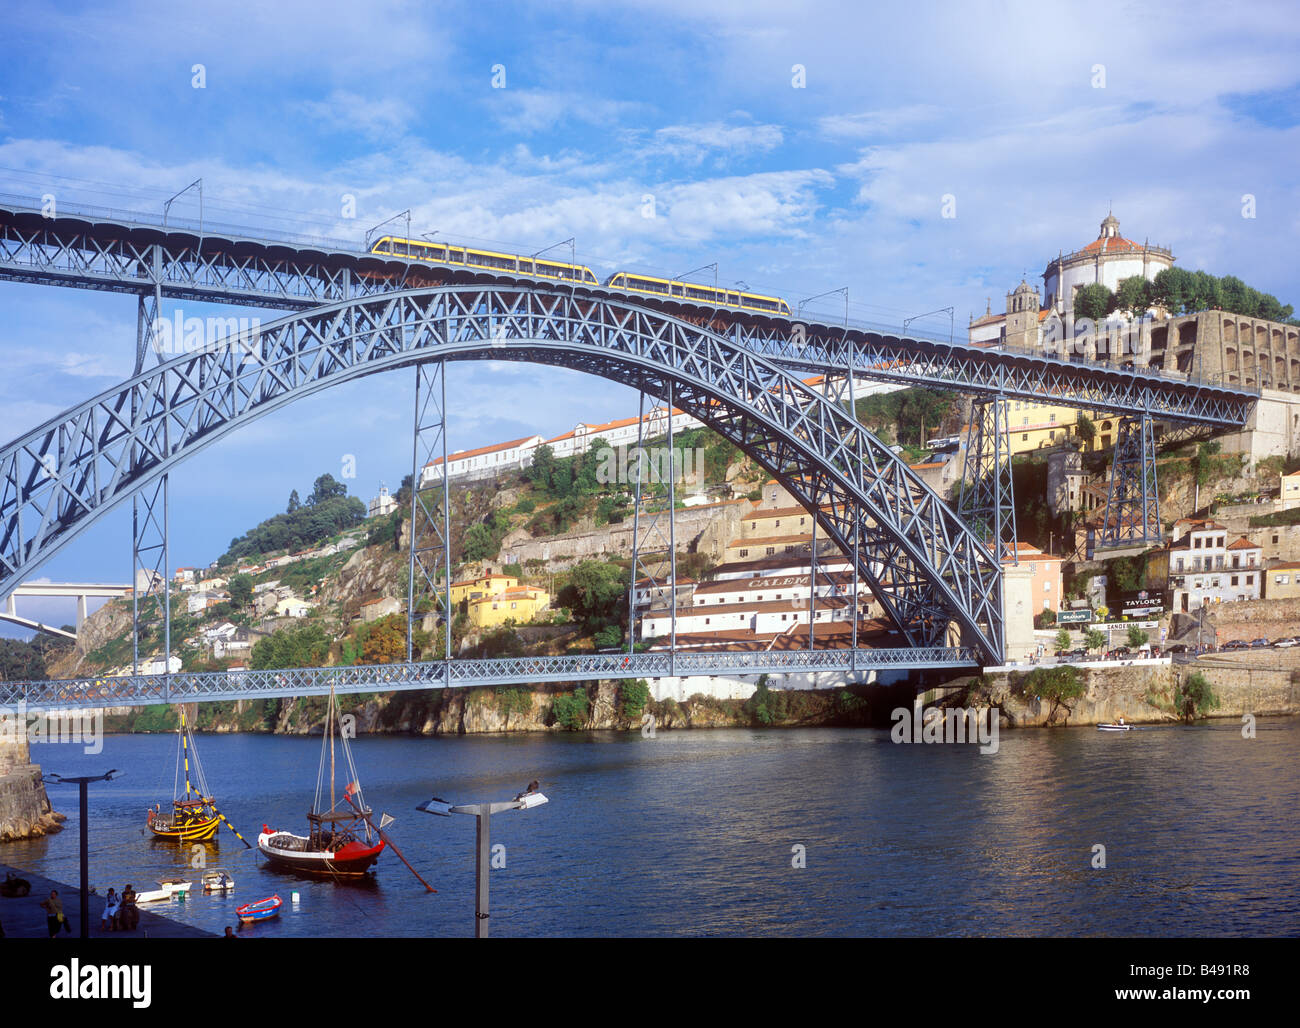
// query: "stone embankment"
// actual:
[[1261, 684], [25, 811]]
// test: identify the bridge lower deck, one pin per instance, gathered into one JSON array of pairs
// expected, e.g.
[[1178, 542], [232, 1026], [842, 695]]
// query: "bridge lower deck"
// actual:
[[191, 687]]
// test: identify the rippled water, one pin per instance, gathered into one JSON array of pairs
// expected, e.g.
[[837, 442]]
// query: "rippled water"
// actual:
[[691, 833]]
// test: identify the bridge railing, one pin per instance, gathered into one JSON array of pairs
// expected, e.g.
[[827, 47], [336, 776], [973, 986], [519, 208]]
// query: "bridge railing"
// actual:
[[202, 686]]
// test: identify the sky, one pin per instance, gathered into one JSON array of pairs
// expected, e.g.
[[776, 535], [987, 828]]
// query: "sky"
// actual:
[[924, 155]]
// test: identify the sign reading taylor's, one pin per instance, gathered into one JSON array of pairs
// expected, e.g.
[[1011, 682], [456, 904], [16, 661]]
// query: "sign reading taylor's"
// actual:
[[1143, 601]]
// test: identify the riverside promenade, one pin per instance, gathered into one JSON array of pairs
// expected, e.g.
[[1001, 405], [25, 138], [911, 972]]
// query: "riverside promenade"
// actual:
[[24, 918]]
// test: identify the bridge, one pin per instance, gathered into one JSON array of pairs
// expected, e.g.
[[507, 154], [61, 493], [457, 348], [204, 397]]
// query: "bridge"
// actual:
[[80, 591], [144, 690], [353, 313]]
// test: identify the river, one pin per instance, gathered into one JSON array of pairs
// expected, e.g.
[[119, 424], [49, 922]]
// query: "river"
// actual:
[[695, 832]]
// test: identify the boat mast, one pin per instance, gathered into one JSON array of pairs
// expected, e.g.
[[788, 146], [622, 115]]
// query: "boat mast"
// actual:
[[329, 727], [185, 736]]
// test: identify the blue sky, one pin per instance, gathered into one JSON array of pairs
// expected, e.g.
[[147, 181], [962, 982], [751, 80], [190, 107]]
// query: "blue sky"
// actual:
[[793, 190]]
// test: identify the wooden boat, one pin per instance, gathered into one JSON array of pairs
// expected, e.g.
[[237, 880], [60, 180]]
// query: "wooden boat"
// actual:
[[340, 840], [194, 816], [1118, 726], [218, 880], [167, 888], [261, 910]]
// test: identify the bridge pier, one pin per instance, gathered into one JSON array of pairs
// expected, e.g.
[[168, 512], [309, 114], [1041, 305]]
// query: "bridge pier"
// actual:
[[987, 501], [429, 440], [149, 562], [1132, 515]]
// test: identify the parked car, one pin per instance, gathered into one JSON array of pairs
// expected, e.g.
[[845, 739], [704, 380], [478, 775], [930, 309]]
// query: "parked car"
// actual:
[[1285, 643], [1236, 644], [1178, 648], [1259, 644]]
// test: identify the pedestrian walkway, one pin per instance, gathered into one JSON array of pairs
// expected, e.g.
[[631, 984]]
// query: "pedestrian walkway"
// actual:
[[24, 918]]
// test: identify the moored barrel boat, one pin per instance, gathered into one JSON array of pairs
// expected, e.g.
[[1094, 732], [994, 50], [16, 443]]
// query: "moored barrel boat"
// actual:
[[332, 848]]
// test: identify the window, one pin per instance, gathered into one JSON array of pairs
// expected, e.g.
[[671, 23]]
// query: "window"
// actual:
[[771, 550], [1025, 438], [744, 553], [1234, 579], [1250, 579]]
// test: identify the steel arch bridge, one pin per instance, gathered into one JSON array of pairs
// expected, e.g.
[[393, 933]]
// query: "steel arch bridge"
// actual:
[[932, 575]]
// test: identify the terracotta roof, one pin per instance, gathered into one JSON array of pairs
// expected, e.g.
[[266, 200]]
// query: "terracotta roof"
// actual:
[[927, 465], [1243, 544], [1287, 566], [1112, 244], [461, 454]]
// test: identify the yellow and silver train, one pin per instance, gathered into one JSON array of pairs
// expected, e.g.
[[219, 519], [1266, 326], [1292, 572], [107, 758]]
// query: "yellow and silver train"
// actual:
[[562, 271]]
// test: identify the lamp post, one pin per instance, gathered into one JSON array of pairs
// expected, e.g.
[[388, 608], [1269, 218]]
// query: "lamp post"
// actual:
[[483, 812], [81, 784]]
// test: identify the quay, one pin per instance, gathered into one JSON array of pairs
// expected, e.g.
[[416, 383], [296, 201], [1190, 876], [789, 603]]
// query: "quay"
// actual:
[[24, 918]]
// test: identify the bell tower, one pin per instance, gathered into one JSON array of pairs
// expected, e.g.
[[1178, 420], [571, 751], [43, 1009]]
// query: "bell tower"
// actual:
[[1022, 317]]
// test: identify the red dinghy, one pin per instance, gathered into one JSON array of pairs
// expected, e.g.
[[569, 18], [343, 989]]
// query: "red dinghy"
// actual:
[[340, 841], [262, 910]]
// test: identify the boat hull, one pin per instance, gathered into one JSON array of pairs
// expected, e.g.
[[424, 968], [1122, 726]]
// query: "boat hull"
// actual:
[[262, 910], [286, 850], [198, 830]]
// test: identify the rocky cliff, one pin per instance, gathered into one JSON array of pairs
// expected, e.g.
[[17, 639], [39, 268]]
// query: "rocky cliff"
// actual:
[[25, 811]]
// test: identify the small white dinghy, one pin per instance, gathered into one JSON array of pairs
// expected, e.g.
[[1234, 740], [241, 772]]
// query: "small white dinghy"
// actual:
[[1116, 726], [166, 890]]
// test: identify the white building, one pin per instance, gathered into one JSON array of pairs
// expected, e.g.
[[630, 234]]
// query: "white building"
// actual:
[[382, 504]]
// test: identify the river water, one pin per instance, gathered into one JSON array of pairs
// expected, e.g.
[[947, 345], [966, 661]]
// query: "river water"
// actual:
[[695, 832]]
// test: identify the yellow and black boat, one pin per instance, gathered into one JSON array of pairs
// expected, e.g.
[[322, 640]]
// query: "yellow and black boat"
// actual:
[[194, 816]]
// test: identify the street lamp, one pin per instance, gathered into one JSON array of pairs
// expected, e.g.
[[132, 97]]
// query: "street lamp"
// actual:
[[483, 812], [81, 784]]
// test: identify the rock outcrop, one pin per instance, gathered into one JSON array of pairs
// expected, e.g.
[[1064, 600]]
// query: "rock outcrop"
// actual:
[[25, 811]]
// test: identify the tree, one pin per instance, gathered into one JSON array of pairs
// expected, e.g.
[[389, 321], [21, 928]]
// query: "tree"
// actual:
[[570, 710], [595, 592], [384, 641], [1094, 302], [1095, 638], [1062, 638], [294, 502], [634, 696], [300, 646], [513, 701], [1056, 685], [1172, 290], [1133, 295], [326, 488], [1085, 428], [541, 472], [1195, 697], [241, 590], [1137, 638]]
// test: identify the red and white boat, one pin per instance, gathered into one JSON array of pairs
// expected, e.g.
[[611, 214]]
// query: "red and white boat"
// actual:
[[340, 840]]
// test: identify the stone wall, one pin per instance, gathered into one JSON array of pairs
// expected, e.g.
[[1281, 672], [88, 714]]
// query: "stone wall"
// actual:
[[1146, 695], [706, 529], [25, 811]]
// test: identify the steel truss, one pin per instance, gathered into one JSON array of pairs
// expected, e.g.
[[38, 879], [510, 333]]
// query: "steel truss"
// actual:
[[987, 500], [657, 535], [430, 545], [922, 563], [190, 687], [149, 563], [125, 253], [1133, 500]]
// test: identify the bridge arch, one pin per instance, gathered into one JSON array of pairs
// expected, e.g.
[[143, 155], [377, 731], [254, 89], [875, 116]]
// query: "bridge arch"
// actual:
[[923, 564]]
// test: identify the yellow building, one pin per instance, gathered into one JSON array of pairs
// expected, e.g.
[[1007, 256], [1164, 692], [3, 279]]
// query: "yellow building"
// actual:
[[1289, 493], [518, 603], [1282, 581], [483, 586]]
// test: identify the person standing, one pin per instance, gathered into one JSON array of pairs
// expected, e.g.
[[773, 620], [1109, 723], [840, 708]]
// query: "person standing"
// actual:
[[54, 914]]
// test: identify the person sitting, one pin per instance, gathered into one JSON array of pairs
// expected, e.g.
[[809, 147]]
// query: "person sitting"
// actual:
[[128, 913]]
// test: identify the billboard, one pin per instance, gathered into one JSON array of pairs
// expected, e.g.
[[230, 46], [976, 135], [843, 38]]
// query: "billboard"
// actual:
[[1141, 601], [1073, 617]]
